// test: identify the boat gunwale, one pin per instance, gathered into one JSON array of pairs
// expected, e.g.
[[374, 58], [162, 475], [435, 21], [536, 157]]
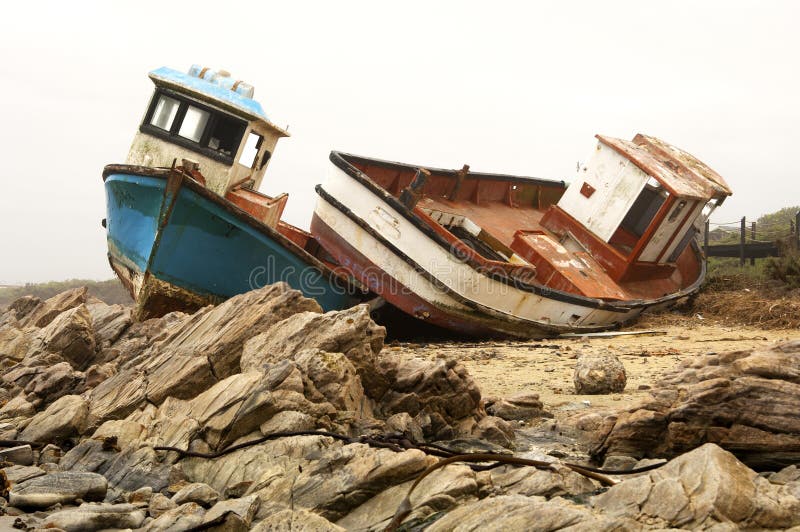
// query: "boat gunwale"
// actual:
[[342, 161], [239, 213]]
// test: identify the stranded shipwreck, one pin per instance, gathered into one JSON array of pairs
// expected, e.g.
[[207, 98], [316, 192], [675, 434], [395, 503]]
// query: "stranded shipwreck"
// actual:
[[183, 237], [480, 254]]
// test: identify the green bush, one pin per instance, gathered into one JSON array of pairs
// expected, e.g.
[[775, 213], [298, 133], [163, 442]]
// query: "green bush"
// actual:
[[110, 291]]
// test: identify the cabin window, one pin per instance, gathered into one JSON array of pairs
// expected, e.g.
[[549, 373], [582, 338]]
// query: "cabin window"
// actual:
[[194, 123], [164, 113], [250, 150], [194, 126], [225, 134]]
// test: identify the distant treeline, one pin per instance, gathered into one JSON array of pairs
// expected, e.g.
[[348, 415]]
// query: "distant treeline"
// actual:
[[110, 291]]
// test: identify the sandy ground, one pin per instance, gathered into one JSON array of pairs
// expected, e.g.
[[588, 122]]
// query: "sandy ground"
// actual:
[[505, 368]]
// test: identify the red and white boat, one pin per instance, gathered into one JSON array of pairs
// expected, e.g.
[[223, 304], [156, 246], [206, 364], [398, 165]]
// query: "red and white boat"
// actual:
[[487, 254]]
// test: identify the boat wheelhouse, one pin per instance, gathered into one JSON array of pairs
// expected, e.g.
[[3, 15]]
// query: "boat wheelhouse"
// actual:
[[186, 224], [495, 254]]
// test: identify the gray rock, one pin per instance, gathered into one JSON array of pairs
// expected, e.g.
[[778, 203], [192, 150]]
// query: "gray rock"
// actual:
[[20, 455], [18, 473], [599, 374], [141, 496], [58, 488], [92, 516], [63, 419], [24, 305], [197, 492], [53, 382], [185, 517], [109, 322]]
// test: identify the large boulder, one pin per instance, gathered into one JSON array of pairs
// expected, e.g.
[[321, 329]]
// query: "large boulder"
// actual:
[[701, 489], [599, 374], [194, 353], [351, 332], [58, 488], [744, 401], [63, 419], [46, 311], [71, 335], [93, 516]]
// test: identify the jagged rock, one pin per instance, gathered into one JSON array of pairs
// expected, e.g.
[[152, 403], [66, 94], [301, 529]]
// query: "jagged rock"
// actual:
[[745, 401], [599, 374], [92, 516], [288, 421], [701, 489], [160, 504], [63, 419], [404, 424], [531, 514], [296, 521], [335, 377], [20, 455], [109, 322], [558, 482], [185, 517], [20, 375], [350, 332], [518, 407], [195, 352], [129, 469], [495, 430], [58, 488], [238, 513], [46, 311], [18, 407], [24, 305], [342, 478], [442, 388], [97, 373], [437, 492], [787, 474], [15, 342], [53, 382], [20, 473], [70, 335], [197, 492]]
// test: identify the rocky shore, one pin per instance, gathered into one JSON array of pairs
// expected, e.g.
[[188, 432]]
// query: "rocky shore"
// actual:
[[265, 413]]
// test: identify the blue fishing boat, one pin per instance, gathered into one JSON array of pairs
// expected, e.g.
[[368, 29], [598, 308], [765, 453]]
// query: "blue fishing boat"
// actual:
[[186, 225]]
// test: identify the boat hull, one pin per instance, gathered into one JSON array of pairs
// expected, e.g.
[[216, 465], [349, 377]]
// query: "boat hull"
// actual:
[[176, 246], [381, 247]]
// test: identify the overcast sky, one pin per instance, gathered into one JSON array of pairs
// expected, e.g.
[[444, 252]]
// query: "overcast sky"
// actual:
[[512, 87]]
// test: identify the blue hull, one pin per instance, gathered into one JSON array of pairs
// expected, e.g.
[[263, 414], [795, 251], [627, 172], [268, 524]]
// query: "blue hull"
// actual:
[[176, 249]]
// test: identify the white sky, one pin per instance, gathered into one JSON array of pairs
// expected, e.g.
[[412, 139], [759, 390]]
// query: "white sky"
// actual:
[[513, 87]]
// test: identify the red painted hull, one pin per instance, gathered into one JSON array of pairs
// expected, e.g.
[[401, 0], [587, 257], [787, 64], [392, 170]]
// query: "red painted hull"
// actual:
[[394, 292]]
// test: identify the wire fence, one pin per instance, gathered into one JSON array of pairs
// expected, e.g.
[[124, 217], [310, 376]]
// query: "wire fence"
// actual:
[[750, 240]]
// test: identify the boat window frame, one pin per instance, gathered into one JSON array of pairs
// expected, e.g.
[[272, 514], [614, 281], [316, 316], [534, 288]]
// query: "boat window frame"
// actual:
[[172, 135]]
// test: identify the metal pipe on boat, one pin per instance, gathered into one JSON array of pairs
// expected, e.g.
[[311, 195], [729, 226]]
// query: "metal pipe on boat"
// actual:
[[413, 192]]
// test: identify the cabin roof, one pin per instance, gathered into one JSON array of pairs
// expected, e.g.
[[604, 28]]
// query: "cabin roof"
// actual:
[[679, 172], [213, 93]]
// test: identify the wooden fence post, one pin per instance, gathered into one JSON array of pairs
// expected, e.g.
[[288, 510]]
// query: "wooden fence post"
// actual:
[[752, 239], [705, 240], [797, 230], [742, 239]]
